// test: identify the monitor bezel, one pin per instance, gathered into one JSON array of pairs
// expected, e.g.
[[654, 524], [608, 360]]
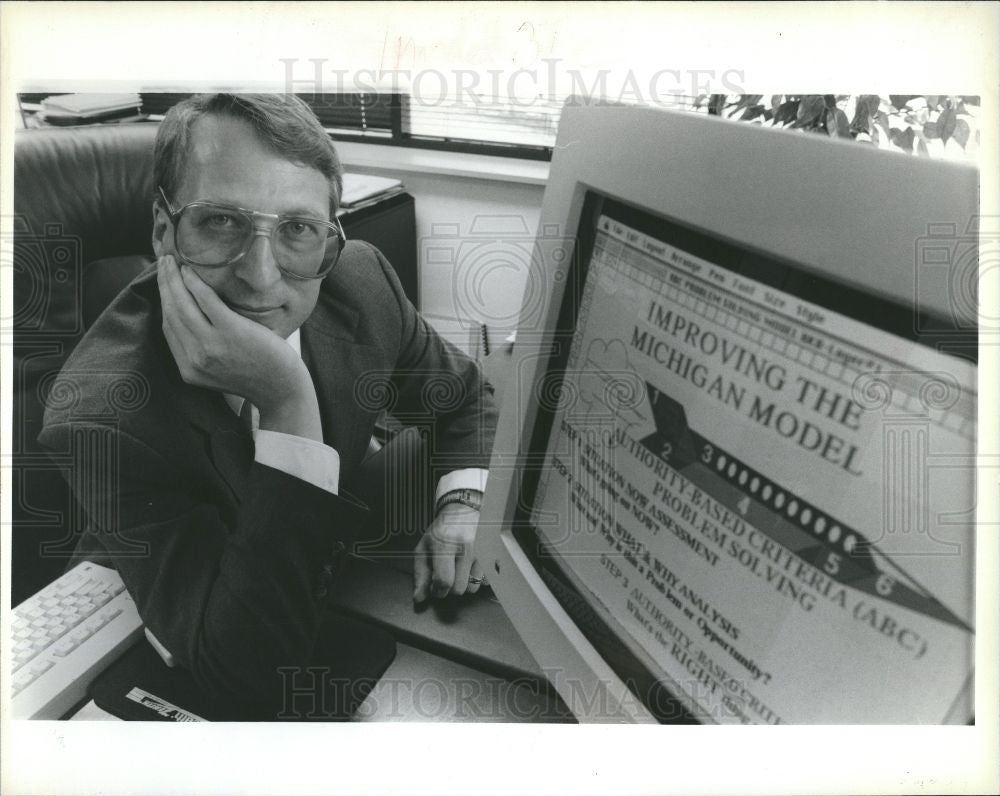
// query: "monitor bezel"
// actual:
[[624, 153]]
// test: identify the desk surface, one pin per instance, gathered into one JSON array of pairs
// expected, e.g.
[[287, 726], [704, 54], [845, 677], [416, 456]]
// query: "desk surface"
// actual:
[[473, 630]]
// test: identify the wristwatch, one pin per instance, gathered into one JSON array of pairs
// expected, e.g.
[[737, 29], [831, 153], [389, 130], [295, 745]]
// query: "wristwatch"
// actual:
[[472, 498]]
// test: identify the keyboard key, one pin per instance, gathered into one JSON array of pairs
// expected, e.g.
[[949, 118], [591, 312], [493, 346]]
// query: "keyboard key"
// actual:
[[40, 666], [64, 647], [100, 619], [80, 635], [22, 679]]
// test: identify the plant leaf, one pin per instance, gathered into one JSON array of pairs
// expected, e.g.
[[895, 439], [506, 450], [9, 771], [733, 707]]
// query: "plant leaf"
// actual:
[[904, 140], [961, 133], [830, 121], [843, 126], [836, 123], [786, 112], [931, 130], [863, 110], [716, 103], [946, 124], [810, 109]]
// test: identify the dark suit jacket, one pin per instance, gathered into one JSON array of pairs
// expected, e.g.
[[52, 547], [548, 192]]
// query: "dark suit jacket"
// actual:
[[226, 558]]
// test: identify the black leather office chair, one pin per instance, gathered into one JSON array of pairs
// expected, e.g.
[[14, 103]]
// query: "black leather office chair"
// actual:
[[80, 196]]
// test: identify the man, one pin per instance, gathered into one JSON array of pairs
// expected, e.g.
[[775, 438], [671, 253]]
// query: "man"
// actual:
[[259, 345]]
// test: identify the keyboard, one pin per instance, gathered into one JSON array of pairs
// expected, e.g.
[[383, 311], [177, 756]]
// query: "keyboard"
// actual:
[[64, 636]]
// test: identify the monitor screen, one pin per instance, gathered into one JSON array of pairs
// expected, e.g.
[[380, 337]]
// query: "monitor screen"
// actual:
[[744, 482]]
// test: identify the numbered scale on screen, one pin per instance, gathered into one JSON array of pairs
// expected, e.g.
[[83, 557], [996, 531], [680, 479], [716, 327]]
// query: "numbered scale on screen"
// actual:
[[839, 551]]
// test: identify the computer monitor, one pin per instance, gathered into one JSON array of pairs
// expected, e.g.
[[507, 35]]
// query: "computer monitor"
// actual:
[[733, 480]]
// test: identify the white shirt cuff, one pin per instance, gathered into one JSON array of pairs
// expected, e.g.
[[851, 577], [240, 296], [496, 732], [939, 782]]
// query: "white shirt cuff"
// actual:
[[303, 458], [470, 478]]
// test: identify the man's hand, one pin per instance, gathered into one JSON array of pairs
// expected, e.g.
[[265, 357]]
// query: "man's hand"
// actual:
[[217, 348], [444, 561]]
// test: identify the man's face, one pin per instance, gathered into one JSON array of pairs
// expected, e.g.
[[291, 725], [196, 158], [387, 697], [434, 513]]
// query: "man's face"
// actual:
[[228, 165]]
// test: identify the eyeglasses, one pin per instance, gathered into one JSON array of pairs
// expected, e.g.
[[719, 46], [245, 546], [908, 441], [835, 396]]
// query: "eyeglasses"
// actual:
[[212, 235]]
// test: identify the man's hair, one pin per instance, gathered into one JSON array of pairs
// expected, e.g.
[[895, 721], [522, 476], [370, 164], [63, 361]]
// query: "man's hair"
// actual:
[[283, 123]]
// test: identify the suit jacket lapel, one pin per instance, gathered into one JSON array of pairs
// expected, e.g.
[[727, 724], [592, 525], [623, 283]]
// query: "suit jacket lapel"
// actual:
[[232, 454], [229, 442], [335, 359]]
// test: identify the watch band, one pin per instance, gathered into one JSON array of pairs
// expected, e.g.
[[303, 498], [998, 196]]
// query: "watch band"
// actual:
[[472, 498]]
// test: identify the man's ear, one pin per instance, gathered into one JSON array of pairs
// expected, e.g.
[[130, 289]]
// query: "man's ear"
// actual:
[[161, 230]]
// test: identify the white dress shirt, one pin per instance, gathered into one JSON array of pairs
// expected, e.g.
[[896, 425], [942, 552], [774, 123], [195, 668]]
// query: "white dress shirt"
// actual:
[[319, 464]]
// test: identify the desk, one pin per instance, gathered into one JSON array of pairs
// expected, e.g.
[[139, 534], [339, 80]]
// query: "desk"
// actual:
[[390, 225], [460, 660]]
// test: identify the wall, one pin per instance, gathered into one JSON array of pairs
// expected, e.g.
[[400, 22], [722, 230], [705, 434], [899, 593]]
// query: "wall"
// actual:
[[476, 224]]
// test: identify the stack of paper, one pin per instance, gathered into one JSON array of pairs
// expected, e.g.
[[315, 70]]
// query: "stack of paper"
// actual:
[[76, 108]]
